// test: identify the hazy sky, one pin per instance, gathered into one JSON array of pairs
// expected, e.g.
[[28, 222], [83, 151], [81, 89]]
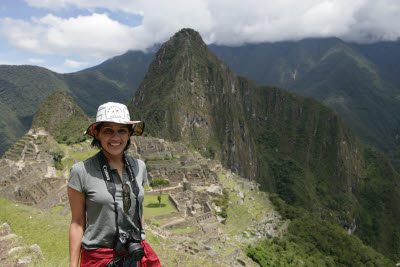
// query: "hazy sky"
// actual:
[[70, 35]]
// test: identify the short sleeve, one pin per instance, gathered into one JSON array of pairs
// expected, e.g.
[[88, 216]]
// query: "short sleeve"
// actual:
[[75, 179]]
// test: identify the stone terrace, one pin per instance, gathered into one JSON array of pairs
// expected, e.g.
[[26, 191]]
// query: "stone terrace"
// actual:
[[28, 175]]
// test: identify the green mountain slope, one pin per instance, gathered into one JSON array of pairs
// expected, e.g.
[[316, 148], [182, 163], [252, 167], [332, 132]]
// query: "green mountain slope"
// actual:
[[351, 85], [128, 68], [385, 55], [61, 117], [114, 80], [291, 144], [22, 89], [359, 81], [276, 64]]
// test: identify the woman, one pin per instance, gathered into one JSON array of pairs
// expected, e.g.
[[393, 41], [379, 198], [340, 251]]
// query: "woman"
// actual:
[[106, 194]]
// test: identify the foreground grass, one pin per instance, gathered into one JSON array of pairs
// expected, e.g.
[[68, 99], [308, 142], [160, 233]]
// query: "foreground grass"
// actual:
[[48, 230]]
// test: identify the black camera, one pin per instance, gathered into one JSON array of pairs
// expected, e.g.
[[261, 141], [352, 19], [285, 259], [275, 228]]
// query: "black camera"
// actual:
[[131, 242]]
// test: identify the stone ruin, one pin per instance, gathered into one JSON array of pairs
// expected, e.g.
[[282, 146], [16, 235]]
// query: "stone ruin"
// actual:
[[190, 176], [31, 178], [28, 182]]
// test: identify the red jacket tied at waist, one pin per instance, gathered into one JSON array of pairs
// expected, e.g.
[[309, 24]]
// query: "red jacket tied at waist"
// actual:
[[98, 257]]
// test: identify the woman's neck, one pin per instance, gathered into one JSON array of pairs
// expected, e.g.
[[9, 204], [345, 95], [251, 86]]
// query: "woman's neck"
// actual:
[[114, 160]]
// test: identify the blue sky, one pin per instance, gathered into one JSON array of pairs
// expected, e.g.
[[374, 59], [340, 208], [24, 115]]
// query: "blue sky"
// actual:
[[70, 35]]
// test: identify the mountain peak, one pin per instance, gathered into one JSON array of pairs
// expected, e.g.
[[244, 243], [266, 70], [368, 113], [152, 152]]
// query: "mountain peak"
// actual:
[[62, 118], [181, 43], [186, 34]]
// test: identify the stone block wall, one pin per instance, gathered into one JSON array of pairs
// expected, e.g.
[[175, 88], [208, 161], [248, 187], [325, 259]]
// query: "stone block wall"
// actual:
[[174, 203]]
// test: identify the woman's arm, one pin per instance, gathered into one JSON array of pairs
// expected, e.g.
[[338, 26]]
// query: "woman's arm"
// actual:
[[77, 227]]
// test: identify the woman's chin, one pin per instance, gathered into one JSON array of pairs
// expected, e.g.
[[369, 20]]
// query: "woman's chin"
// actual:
[[114, 150]]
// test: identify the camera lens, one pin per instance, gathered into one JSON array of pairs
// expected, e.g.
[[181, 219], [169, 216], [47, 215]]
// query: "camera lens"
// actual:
[[136, 251]]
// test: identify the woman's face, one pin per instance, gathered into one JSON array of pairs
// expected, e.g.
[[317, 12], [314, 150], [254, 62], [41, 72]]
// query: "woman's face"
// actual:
[[113, 137]]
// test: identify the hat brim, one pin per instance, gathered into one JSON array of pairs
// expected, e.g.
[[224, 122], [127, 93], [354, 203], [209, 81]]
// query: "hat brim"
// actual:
[[137, 127]]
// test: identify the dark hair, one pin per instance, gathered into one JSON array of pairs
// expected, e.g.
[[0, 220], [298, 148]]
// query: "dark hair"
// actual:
[[97, 144]]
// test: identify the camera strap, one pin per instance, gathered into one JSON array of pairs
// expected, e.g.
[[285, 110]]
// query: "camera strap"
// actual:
[[109, 180]]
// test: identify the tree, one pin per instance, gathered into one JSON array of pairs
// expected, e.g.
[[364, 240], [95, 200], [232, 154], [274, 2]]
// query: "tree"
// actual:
[[160, 182]]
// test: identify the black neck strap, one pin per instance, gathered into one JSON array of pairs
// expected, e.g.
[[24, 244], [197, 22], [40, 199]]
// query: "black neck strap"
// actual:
[[109, 180]]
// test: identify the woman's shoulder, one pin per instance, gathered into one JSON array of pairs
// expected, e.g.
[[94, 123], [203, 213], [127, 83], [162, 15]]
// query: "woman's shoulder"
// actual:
[[135, 160], [80, 165]]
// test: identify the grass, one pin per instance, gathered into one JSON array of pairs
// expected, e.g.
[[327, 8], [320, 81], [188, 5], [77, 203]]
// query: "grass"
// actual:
[[57, 209], [183, 230], [46, 229], [81, 156], [50, 230], [151, 208]]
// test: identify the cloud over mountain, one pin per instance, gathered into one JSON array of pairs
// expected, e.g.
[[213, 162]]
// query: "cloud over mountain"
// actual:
[[95, 31]]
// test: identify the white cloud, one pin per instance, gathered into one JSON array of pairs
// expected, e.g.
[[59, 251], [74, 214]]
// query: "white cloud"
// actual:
[[230, 22], [90, 36], [36, 60], [74, 64]]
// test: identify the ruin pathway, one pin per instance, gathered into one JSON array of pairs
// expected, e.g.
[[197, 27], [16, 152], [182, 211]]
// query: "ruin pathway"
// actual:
[[178, 220]]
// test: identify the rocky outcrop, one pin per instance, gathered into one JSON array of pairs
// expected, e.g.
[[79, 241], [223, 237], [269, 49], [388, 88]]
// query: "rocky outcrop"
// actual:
[[13, 253]]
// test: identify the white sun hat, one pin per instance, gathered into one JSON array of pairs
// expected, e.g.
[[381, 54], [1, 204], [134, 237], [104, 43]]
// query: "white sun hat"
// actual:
[[117, 113]]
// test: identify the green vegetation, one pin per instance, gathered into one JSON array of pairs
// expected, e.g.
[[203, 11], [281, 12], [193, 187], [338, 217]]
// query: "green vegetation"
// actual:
[[311, 241], [57, 157], [377, 198], [222, 203], [317, 164]]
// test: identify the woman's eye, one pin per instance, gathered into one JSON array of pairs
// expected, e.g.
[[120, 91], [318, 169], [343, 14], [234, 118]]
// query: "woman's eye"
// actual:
[[123, 131], [108, 131]]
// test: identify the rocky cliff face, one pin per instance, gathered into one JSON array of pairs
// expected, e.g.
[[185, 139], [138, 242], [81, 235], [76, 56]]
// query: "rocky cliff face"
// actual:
[[190, 95]]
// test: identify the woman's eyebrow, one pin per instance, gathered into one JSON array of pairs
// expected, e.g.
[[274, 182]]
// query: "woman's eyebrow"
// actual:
[[109, 127]]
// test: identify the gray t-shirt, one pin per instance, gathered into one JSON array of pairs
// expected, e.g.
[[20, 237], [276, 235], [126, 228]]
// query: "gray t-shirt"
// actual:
[[86, 177]]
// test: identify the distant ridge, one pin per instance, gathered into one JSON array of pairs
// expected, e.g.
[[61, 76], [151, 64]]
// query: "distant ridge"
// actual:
[[360, 81]]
